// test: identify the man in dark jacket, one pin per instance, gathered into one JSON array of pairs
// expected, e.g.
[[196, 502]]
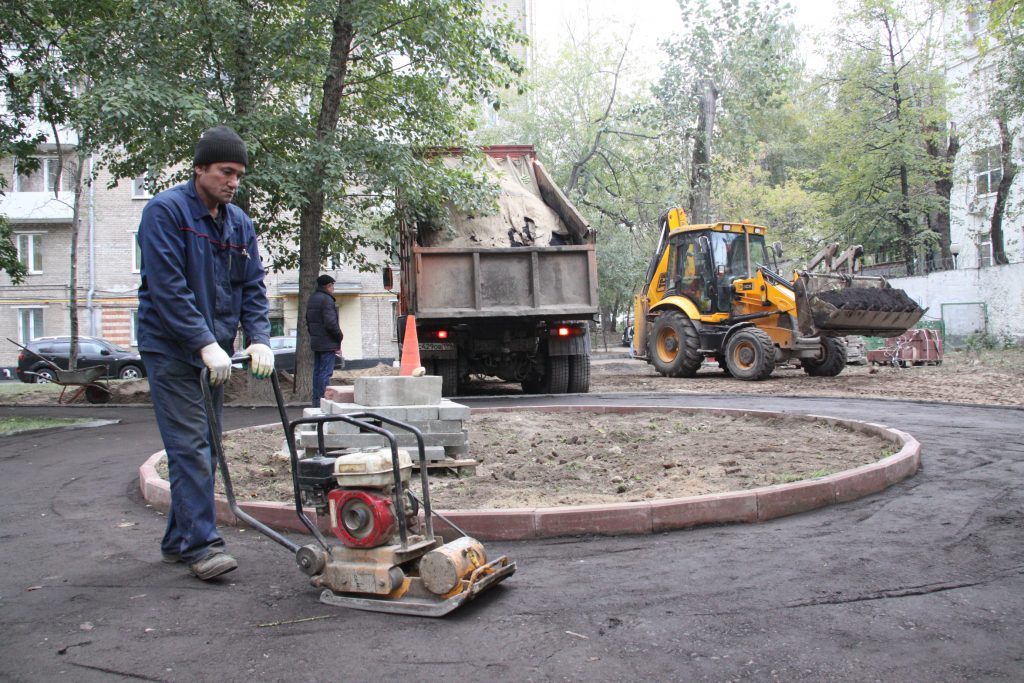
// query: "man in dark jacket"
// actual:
[[201, 277], [324, 334]]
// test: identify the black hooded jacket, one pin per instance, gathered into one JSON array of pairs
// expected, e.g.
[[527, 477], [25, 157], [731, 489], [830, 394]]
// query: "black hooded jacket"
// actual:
[[322, 322]]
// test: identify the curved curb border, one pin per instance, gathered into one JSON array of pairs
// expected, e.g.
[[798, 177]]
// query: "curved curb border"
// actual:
[[753, 505]]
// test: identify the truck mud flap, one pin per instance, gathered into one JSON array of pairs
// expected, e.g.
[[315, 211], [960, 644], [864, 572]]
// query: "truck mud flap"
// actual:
[[865, 306]]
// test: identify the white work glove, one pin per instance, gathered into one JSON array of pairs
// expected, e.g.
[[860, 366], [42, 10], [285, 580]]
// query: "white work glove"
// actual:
[[217, 362], [261, 360]]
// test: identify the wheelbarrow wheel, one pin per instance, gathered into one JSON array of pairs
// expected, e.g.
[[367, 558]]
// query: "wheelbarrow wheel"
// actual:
[[96, 394]]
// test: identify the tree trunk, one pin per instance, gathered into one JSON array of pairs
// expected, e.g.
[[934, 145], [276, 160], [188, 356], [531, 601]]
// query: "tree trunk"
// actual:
[[1003, 191], [699, 209], [312, 213], [76, 214], [944, 188]]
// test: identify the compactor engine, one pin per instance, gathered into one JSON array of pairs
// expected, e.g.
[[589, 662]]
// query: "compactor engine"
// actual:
[[713, 290]]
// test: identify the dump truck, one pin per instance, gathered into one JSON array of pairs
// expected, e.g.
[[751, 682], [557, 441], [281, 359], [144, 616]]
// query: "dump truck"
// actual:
[[714, 291], [510, 294]]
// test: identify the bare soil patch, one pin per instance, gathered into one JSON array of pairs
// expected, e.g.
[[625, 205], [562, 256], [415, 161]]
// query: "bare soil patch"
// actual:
[[531, 458]]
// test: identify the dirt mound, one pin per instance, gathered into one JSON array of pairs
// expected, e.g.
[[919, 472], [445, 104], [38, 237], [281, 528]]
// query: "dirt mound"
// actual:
[[533, 458]]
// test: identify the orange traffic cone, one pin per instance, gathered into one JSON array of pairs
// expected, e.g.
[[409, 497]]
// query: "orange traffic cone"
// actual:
[[410, 349]]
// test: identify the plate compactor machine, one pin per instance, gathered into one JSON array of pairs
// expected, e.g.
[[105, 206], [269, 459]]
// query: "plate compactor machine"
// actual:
[[380, 564], [712, 291]]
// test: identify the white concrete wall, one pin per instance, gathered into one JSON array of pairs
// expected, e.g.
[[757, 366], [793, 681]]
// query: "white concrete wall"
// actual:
[[1000, 288]]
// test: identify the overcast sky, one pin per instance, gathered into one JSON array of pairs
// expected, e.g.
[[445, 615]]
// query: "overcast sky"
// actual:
[[655, 20]]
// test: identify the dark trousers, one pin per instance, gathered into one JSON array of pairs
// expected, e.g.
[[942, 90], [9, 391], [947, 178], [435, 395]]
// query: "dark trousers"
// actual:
[[323, 368], [180, 408]]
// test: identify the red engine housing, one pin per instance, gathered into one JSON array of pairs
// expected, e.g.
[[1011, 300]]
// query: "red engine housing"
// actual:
[[361, 519]]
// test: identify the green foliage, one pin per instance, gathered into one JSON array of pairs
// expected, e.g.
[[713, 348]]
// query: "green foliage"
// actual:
[[886, 98], [746, 52], [410, 72], [9, 262], [985, 341]]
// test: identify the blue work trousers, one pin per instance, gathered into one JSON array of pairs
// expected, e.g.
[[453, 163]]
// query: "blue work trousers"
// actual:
[[177, 397], [323, 368]]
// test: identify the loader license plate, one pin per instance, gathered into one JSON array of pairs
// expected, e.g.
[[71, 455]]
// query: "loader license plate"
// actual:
[[437, 346]]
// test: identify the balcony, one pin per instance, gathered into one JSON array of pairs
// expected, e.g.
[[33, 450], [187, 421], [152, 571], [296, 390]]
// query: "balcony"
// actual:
[[37, 207]]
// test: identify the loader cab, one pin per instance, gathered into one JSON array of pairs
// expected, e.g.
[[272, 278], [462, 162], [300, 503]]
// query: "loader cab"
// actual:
[[705, 264], [737, 253], [690, 269]]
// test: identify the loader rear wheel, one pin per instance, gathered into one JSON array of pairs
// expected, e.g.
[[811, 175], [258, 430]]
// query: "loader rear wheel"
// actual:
[[674, 345], [750, 354], [579, 374], [830, 363]]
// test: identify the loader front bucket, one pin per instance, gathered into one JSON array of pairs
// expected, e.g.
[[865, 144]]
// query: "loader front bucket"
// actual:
[[839, 305]]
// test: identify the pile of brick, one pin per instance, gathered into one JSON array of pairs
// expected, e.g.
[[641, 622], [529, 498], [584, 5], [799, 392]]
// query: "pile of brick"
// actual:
[[413, 400]]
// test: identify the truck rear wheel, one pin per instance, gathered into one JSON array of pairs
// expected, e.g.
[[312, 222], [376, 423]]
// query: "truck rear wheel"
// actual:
[[674, 347], [831, 362], [579, 374], [448, 369], [750, 354], [557, 378]]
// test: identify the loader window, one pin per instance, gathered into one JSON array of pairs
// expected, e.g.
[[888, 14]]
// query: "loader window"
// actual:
[[691, 271]]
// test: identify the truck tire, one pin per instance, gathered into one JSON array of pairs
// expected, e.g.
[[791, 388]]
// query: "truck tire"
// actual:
[[448, 369], [674, 347], [579, 374], [557, 379], [750, 354], [832, 361]]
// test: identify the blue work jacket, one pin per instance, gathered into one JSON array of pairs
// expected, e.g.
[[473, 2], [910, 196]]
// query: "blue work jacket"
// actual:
[[198, 280]]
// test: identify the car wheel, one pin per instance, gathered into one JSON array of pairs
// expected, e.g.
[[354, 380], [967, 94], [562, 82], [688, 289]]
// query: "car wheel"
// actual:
[[130, 372], [45, 376]]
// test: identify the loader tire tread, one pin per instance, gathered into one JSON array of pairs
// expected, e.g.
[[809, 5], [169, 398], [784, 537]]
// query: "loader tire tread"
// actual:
[[832, 361], [750, 354], [674, 345]]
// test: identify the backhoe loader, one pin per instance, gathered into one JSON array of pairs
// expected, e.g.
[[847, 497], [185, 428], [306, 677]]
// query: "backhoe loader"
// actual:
[[713, 291]]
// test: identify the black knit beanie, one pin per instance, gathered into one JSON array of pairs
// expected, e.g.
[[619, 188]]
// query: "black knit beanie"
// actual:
[[220, 144], [324, 280]]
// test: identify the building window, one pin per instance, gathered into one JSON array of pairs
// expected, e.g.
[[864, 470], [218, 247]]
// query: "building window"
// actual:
[[277, 327], [30, 251], [44, 177], [30, 324], [984, 254], [135, 327], [141, 187], [988, 170], [136, 253]]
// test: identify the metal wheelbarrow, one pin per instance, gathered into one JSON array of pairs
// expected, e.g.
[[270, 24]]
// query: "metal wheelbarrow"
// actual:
[[88, 381]]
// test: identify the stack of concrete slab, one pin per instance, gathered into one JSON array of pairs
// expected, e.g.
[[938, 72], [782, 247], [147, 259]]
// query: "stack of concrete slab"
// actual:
[[413, 400]]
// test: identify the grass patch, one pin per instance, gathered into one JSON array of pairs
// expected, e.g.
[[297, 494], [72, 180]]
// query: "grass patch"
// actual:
[[13, 425], [10, 390]]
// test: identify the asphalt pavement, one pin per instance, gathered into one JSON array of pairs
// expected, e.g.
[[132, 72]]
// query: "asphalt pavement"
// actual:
[[922, 582]]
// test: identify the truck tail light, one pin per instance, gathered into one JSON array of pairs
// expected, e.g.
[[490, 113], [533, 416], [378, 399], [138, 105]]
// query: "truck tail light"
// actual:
[[568, 331], [442, 334]]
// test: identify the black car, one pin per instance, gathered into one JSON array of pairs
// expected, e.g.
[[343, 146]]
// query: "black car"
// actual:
[[120, 363], [284, 354]]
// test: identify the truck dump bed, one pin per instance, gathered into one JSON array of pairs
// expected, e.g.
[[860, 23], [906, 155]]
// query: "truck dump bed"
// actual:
[[534, 257], [528, 281]]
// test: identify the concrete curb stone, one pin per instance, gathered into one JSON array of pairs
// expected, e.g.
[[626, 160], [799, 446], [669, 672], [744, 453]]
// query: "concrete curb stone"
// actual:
[[753, 505]]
